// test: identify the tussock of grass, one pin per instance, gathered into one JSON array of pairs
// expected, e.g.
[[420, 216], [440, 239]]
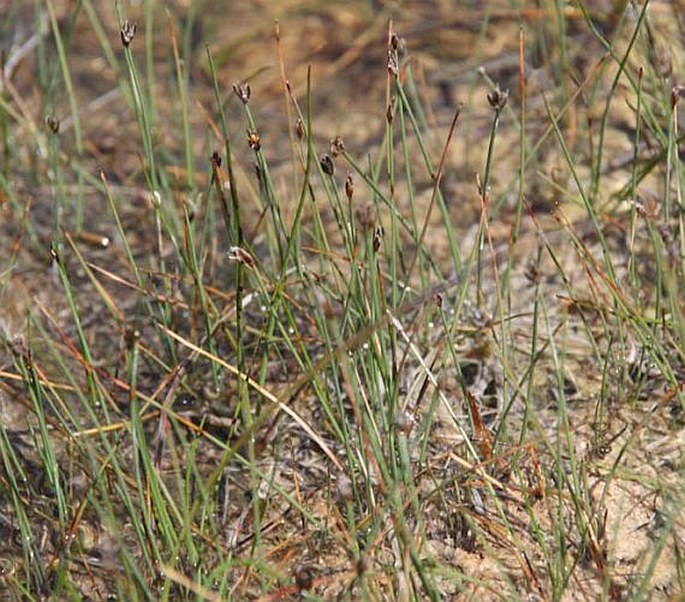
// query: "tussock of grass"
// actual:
[[247, 367]]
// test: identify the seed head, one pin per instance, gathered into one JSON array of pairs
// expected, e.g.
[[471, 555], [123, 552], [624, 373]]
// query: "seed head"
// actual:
[[532, 273], [393, 67], [253, 140], [131, 337], [242, 91], [377, 238], [337, 146], [299, 129], [53, 123], [241, 256], [128, 32], [498, 99], [390, 111], [349, 186], [398, 44], [327, 165], [439, 299]]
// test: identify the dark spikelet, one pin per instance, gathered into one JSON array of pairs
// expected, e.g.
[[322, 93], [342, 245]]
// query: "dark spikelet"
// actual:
[[390, 111], [498, 98], [299, 129], [128, 32], [53, 123], [349, 186], [377, 238], [253, 140], [240, 255], [327, 165], [242, 91], [393, 67]]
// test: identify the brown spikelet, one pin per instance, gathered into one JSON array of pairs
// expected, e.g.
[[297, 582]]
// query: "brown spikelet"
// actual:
[[483, 436]]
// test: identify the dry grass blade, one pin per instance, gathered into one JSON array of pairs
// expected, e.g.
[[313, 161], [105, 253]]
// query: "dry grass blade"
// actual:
[[279, 405]]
